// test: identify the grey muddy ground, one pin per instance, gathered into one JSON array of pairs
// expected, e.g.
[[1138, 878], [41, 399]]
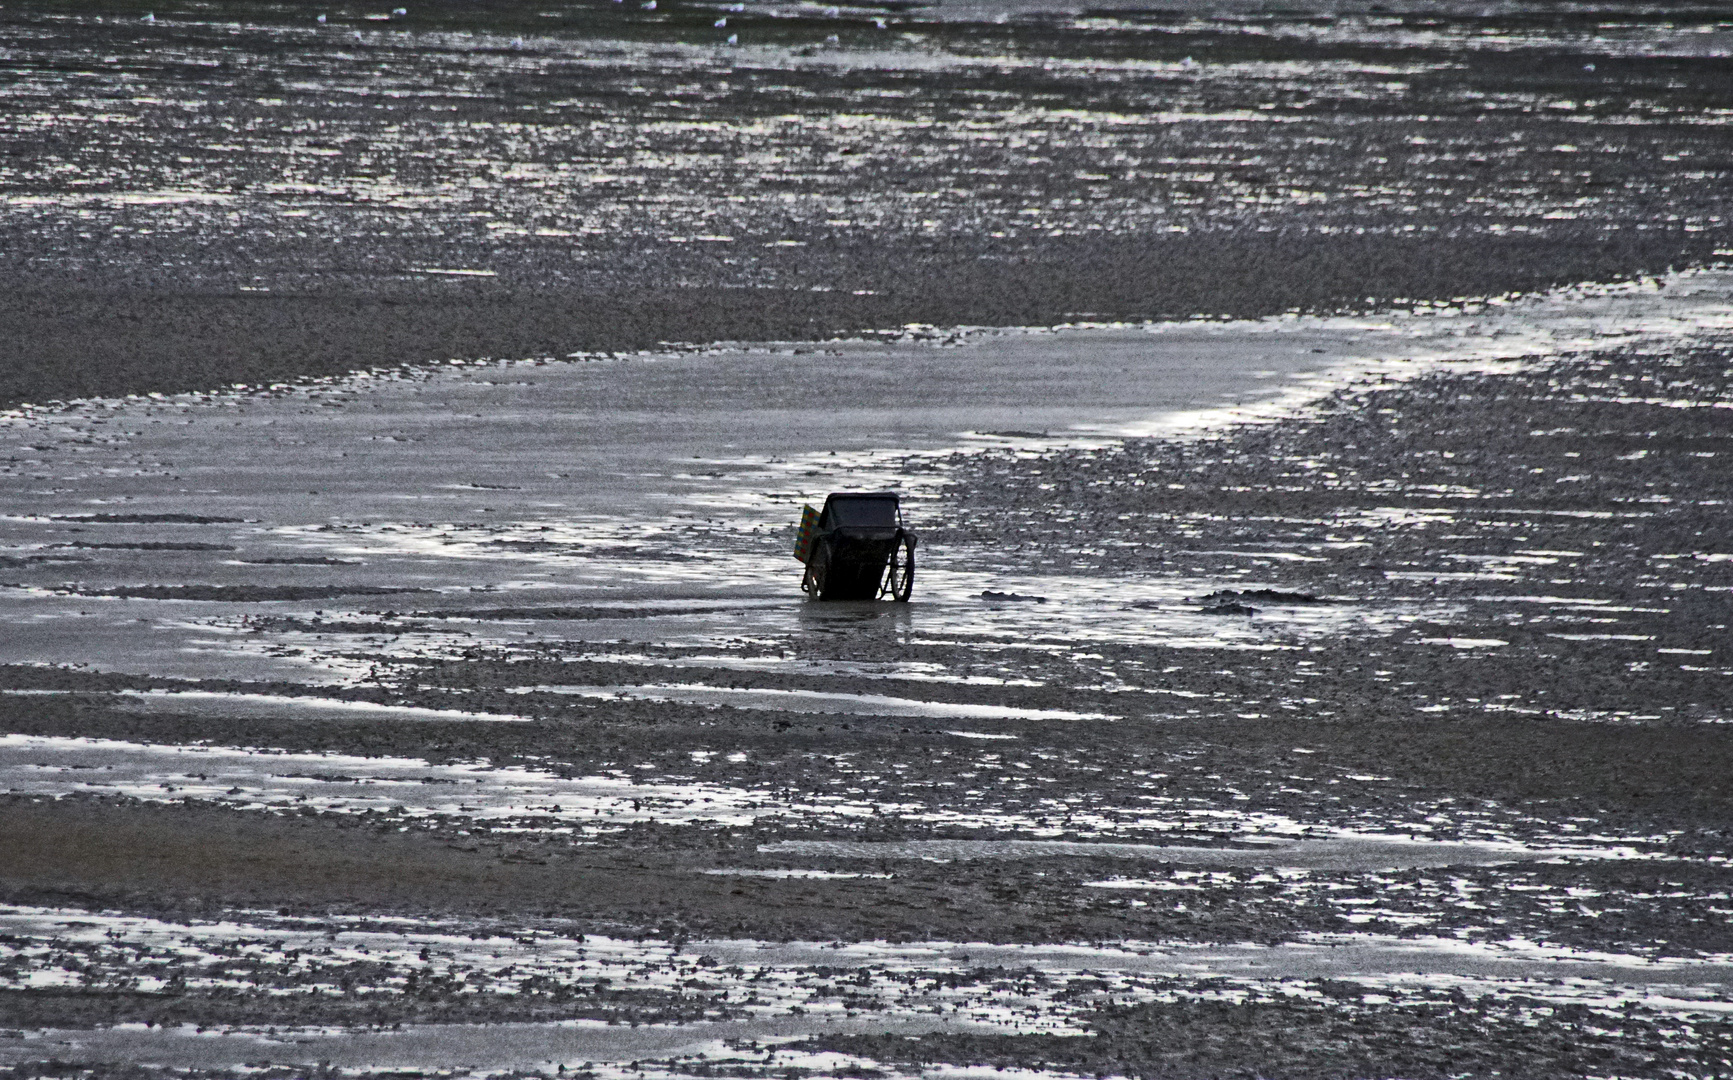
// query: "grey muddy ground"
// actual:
[[1388, 739], [237, 193], [1563, 702]]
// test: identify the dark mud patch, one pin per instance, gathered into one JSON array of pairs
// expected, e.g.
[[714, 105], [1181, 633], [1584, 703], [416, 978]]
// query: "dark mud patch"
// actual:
[[558, 614], [1449, 1035], [21, 561], [44, 677], [1539, 781], [552, 547], [424, 1000], [1559, 522], [148, 519], [182, 861], [535, 546], [147, 545], [240, 594], [1524, 778]]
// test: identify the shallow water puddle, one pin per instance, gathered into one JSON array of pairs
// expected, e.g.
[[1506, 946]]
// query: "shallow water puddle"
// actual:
[[767, 991], [537, 801], [810, 701], [327, 642], [1311, 957], [484, 1048], [909, 671], [788, 875], [667, 480], [278, 706], [266, 779], [1344, 851]]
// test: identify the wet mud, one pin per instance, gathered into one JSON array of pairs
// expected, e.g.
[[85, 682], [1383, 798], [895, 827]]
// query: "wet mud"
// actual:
[[1531, 748], [1435, 1038], [1337, 690], [245, 195]]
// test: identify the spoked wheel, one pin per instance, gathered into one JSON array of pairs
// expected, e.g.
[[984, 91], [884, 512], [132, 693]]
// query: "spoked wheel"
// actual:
[[817, 569], [900, 572]]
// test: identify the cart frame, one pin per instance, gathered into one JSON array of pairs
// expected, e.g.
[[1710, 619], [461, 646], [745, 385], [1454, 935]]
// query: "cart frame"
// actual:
[[858, 548]]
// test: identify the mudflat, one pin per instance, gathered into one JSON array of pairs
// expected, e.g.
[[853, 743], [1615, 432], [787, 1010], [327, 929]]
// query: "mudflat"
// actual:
[[247, 195], [1402, 680], [1335, 685]]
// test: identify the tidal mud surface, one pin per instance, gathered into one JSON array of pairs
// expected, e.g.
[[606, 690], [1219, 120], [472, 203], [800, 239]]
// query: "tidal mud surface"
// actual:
[[1339, 690], [238, 193], [1459, 751]]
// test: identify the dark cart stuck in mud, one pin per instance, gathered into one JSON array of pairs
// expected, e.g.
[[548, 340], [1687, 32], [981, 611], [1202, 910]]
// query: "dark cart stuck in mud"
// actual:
[[856, 548]]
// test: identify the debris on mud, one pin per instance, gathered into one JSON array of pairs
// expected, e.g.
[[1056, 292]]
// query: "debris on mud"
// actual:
[[1227, 608], [1268, 596]]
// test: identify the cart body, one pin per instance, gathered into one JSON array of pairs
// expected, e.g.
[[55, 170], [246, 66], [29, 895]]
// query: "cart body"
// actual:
[[857, 548]]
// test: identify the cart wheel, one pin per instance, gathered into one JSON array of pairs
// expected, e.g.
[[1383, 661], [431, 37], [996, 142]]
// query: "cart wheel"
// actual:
[[817, 569], [900, 574]]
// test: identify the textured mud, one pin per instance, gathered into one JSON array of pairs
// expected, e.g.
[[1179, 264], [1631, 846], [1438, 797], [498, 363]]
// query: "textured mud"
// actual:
[[1386, 737], [1556, 686], [239, 193]]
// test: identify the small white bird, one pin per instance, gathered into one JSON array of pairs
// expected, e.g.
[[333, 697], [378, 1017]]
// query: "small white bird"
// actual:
[[733, 39], [149, 16], [320, 20], [833, 40], [399, 11], [517, 42], [649, 5], [1588, 67], [880, 23], [723, 21], [1188, 63]]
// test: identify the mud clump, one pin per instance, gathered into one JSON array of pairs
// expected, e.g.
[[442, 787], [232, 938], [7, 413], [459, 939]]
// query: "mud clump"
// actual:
[[1268, 596], [1227, 609]]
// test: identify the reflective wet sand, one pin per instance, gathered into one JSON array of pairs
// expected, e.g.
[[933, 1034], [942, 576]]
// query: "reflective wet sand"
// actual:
[[1150, 754], [1318, 658]]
